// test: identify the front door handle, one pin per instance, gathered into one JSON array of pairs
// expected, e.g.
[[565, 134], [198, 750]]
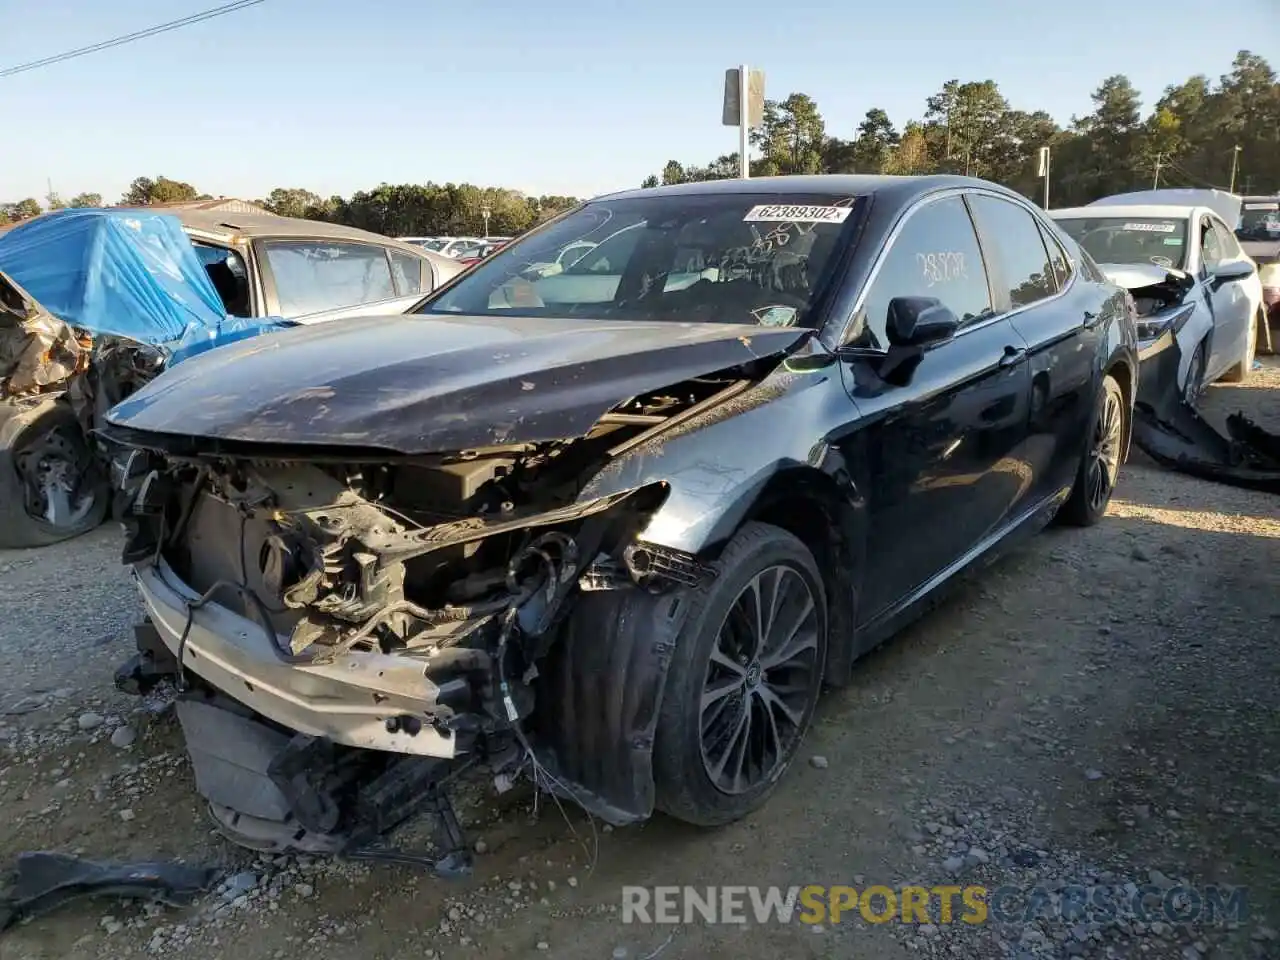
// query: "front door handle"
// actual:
[[1013, 356], [1090, 319]]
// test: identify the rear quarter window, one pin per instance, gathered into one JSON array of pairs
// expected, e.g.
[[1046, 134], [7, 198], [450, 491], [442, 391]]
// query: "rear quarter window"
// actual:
[[1014, 244]]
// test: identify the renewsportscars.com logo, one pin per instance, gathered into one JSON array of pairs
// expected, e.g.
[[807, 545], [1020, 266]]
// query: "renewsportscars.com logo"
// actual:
[[974, 904]]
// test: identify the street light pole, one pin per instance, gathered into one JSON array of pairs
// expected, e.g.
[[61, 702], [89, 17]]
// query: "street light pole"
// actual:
[[1235, 157], [744, 121], [484, 212]]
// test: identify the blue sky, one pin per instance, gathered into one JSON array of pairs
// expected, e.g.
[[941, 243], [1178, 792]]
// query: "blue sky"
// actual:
[[549, 97]]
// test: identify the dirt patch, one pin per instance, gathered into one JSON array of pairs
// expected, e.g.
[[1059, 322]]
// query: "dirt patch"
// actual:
[[1099, 709]]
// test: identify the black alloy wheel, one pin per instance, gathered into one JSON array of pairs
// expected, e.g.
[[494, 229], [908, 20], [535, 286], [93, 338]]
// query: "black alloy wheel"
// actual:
[[761, 669], [745, 675]]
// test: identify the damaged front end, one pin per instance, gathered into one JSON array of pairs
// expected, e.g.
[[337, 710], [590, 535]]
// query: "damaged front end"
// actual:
[[1173, 432], [39, 353], [56, 384], [349, 631], [1159, 296]]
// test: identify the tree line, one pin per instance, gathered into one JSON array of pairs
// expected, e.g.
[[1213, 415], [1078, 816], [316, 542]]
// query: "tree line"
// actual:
[[394, 210], [1199, 134]]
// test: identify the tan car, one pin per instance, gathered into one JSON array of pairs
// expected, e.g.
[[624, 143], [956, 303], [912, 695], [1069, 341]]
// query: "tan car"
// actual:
[[309, 270], [52, 486]]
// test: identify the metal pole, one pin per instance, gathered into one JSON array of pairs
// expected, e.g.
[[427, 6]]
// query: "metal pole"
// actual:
[[1155, 184], [1048, 159], [744, 119], [1235, 157]]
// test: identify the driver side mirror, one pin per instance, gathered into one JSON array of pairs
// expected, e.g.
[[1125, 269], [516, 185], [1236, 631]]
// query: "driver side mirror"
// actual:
[[919, 322], [1232, 270]]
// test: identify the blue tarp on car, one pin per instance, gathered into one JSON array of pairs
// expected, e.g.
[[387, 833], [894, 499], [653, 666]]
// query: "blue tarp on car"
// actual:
[[125, 273]]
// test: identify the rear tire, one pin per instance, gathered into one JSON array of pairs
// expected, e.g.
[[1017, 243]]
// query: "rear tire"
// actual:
[[736, 707], [1100, 466], [50, 439], [1241, 371]]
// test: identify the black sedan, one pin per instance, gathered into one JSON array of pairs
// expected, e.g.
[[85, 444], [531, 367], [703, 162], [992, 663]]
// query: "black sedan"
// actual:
[[614, 527]]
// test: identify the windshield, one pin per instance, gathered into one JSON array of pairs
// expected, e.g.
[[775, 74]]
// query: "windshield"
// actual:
[[1259, 220], [716, 257], [435, 245], [1158, 240]]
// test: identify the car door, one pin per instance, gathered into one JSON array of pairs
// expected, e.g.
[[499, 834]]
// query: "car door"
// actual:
[[940, 429], [1063, 324], [1219, 297], [1234, 309]]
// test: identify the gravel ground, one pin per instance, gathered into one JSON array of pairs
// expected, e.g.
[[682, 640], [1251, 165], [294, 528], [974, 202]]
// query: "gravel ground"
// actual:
[[1098, 710]]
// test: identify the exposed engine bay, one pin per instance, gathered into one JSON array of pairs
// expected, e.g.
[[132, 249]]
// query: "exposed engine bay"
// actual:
[[1160, 305], [1169, 292], [365, 628]]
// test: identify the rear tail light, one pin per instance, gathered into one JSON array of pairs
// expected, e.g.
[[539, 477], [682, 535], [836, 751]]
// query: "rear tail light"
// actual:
[[1269, 274]]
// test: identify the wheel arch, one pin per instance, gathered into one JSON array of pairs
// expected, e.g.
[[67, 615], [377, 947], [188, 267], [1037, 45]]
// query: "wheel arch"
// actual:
[[601, 687], [828, 517], [1123, 370]]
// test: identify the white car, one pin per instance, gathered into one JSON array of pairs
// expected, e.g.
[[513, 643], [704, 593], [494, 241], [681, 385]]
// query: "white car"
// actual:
[[565, 258], [455, 247], [1186, 272]]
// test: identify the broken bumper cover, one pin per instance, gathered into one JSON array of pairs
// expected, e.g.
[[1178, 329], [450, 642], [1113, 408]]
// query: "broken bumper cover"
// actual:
[[1175, 435], [347, 701]]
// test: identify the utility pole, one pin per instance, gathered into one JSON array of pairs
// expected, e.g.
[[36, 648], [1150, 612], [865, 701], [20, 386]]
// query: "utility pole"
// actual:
[[1044, 172], [1155, 184], [744, 122], [484, 212], [1235, 159]]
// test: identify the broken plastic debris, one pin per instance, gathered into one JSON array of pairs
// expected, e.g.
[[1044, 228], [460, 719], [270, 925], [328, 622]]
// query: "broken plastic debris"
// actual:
[[44, 881]]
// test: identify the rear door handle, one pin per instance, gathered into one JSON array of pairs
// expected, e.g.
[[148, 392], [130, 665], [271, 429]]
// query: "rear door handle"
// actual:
[[1013, 356]]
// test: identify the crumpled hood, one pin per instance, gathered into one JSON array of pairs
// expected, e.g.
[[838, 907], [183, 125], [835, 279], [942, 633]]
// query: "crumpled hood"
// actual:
[[431, 383], [1134, 276]]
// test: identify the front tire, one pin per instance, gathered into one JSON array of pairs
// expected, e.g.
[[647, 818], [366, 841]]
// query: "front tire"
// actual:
[[744, 679], [51, 486], [1100, 465]]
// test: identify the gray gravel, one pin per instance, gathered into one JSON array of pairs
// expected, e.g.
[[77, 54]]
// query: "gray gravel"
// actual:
[[1097, 712], [66, 617]]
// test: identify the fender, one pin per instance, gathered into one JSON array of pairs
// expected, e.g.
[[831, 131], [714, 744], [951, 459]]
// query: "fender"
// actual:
[[17, 415], [608, 673]]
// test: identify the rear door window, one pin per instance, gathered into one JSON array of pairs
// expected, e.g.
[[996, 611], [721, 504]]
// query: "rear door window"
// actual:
[[1014, 246], [314, 275], [936, 254], [1058, 257]]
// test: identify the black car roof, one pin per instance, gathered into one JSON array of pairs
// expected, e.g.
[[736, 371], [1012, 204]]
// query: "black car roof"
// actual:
[[894, 188]]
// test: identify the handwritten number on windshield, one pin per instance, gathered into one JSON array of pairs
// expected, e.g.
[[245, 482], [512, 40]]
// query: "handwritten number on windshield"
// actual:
[[942, 267]]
